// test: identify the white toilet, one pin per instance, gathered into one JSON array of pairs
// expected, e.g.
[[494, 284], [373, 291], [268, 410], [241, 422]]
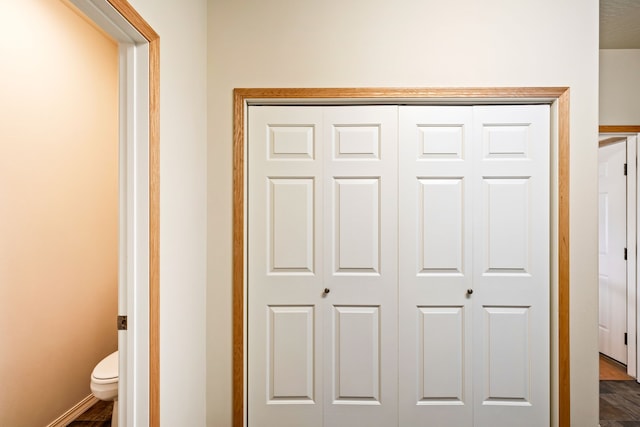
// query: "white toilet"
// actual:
[[104, 383]]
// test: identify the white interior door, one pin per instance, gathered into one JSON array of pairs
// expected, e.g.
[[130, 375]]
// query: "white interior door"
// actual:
[[612, 243], [474, 266], [511, 373], [322, 266], [361, 255], [285, 267], [398, 277], [436, 168]]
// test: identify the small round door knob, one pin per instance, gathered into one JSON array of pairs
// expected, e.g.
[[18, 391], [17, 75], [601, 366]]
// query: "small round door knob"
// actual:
[[469, 291], [327, 290]]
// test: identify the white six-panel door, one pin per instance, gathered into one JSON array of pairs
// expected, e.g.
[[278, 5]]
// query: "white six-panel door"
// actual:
[[285, 267], [322, 259], [360, 260], [398, 275], [511, 235], [435, 233], [612, 203]]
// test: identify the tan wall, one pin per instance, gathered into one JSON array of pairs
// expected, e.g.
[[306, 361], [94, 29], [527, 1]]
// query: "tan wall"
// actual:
[[620, 87], [58, 208], [282, 43]]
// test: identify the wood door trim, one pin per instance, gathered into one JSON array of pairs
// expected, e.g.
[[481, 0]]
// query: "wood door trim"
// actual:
[[611, 141], [618, 129], [135, 19], [557, 95]]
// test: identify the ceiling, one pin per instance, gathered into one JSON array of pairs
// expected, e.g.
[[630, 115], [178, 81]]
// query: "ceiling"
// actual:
[[619, 24]]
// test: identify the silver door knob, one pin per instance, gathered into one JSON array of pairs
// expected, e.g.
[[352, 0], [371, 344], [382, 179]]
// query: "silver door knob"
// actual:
[[469, 291]]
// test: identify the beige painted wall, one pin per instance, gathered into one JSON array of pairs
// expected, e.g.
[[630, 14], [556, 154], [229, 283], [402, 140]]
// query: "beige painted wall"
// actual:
[[182, 26], [620, 87], [58, 208], [431, 43]]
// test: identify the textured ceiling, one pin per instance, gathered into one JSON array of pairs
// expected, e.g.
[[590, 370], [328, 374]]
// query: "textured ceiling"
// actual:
[[619, 24]]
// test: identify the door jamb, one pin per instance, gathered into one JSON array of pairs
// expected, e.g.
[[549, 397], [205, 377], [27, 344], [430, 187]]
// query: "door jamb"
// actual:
[[139, 130], [558, 97]]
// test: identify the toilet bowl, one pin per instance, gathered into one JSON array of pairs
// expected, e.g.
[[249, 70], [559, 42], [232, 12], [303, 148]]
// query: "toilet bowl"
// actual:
[[104, 383]]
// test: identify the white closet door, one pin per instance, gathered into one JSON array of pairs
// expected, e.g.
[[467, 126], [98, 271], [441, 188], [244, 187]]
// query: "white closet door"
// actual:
[[402, 291], [435, 233], [360, 238], [285, 267], [511, 266], [322, 215]]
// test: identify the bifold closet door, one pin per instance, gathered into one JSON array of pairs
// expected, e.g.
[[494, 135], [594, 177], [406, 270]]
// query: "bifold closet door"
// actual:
[[360, 260], [322, 266], [398, 266], [435, 233], [474, 266], [285, 267], [511, 275]]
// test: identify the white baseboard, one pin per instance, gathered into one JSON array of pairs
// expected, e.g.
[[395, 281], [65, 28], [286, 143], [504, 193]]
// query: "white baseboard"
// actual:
[[73, 413]]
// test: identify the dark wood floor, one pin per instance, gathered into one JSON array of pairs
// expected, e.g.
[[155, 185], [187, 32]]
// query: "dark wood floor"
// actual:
[[619, 396], [99, 415]]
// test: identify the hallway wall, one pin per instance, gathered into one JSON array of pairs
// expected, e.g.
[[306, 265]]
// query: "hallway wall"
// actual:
[[620, 87], [375, 43]]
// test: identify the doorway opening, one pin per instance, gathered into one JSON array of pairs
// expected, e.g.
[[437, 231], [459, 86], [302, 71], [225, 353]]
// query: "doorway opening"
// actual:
[[617, 183], [139, 164], [618, 286]]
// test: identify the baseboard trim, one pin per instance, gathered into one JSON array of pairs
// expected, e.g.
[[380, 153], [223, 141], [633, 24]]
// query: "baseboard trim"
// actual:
[[74, 412]]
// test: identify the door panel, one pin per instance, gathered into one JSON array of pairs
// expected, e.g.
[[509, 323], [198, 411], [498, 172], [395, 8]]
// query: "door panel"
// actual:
[[507, 344], [290, 239], [290, 338], [511, 266], [441, 226], [435, 266], [612, 228], [441, 362], [285, 267], [361, 216], [356, 361], [356, 242], [506, 201]]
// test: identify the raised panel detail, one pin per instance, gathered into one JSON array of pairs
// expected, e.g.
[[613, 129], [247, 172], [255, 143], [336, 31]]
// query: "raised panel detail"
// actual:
[[441, 224], [440, 142], [291, 223], [357, 142], [356, 361], [291, 142], [506, 141], [507, 356], [290, 335], [507, 205], [441, 356], [357, 225]]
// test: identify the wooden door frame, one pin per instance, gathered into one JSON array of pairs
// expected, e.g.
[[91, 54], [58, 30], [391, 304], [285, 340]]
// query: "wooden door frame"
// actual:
[[140, 129], [139, 24], [558, 97]]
